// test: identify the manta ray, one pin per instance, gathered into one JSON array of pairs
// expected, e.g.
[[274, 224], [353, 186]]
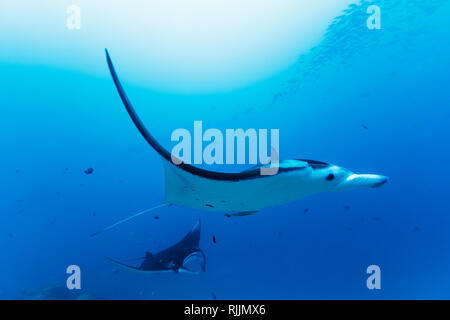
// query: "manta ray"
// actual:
[[172, 259], [246, 192]]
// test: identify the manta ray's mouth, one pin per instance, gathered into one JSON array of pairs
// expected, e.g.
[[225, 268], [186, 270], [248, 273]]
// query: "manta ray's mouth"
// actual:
[[193, 260], [380, 183]]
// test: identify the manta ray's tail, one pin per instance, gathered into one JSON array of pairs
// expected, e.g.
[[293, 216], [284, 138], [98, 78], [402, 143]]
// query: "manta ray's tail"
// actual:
[[129, 218]]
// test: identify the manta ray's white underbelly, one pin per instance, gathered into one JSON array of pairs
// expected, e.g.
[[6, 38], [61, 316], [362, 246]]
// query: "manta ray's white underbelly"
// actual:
[[186, 189]]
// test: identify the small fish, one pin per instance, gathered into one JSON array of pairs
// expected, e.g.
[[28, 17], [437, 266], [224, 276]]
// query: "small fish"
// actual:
[[94, 214], [416, 228], [227, 215], [214, 296], [156, 217], [17, 171], [277, 96], [306, 210], [89, 171], [347, 207], [243, 213], [364, 127], [376, 219], [214, 239]]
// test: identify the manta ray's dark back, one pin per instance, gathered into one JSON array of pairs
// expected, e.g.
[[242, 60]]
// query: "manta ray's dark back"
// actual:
[[192, 239]]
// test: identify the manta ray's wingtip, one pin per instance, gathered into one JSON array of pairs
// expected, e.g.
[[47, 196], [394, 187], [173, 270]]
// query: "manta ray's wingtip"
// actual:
[[108, 59], [196, 225], [120, 264], [112, 260]]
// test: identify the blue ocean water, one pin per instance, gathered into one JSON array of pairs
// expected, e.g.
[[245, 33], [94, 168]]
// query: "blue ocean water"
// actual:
[[373, 101]]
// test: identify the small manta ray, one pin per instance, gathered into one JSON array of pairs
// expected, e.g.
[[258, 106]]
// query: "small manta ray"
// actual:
[[172, 259], [243, 193]]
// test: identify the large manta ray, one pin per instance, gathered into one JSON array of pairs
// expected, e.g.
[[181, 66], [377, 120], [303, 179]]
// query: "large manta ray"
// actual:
[[172, 259], [245, 192]]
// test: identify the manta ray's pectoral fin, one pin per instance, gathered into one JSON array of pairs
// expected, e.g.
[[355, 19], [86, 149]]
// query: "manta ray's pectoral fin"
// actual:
[[241, 214], [136, 259], [138, 269], [123, 266]]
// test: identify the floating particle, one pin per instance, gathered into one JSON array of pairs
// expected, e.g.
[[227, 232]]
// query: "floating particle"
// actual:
[[347, 207], [213, 296], [416, 228], [306, 210], [89, 171], [214, 239], [376, 219]]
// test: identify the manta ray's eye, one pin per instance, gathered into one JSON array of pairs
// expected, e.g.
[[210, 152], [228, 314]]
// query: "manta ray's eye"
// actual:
[[329, 177]]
